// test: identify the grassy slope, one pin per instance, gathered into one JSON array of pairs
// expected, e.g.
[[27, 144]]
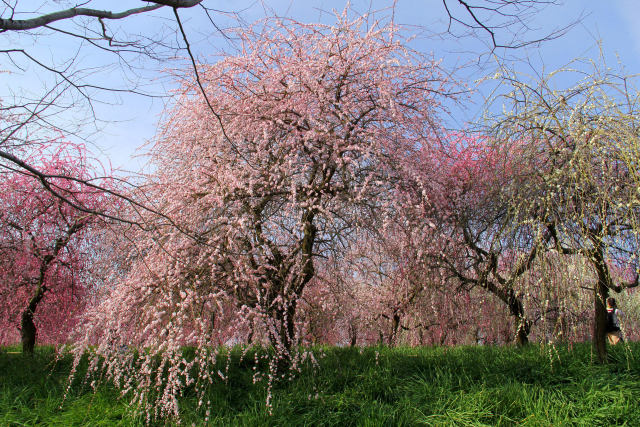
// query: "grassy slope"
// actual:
[[378, 386]]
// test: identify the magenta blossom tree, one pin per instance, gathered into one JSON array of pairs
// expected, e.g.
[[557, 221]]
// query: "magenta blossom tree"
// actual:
[[45, 244]]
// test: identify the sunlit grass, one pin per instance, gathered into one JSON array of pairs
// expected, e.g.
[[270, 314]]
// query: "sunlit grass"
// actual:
[[371, 386]]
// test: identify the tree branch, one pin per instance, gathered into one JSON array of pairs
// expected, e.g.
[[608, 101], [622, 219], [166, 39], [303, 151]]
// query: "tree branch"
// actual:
[[40, 21]]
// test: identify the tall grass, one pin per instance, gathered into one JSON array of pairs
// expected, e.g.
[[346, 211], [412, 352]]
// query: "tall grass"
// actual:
[[368, 387]]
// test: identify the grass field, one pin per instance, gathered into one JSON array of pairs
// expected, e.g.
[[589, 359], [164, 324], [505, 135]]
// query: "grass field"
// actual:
[[369, 387]]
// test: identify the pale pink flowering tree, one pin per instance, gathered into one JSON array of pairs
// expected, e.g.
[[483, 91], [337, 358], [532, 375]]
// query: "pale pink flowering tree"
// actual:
[[274, 169], [45, 245]]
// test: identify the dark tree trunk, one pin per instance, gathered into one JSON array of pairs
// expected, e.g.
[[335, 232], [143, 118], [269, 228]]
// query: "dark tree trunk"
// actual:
[[288, 325], [28, 332], [250, 336], [284, 327], [516, 309], [28, 329], [523, 325], [443, 337], [600, 322], [284, 336], [600, 300], [522, 336], [353, 334]]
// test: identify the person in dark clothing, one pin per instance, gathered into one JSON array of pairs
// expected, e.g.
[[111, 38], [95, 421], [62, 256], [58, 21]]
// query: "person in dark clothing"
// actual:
[[614, 333]]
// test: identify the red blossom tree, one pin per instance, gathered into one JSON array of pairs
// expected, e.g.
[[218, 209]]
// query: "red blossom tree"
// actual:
[[45, 245]]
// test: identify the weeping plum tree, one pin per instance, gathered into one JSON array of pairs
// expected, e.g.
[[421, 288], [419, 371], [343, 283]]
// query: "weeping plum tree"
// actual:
[[286, 151], [454, 195], [267, 160], [45, 245], [579, 174]]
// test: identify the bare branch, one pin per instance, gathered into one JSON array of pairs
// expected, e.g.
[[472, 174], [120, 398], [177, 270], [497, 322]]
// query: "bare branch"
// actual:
[[511, 13], [40, 21]]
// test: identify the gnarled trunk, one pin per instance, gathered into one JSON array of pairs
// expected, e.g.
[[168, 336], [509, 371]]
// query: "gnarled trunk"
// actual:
[[516, 309], [28, 329], [282, 336], [285, 327], [523, 325], [27, 332]]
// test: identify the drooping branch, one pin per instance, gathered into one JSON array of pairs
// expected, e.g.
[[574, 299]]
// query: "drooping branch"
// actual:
[[203, 92], [45, 178]]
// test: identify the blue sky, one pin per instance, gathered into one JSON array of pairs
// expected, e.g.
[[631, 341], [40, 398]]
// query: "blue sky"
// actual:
[[130, 121]]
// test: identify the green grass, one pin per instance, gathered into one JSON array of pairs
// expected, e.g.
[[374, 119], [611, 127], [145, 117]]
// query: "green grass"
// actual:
[[533, 386]]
